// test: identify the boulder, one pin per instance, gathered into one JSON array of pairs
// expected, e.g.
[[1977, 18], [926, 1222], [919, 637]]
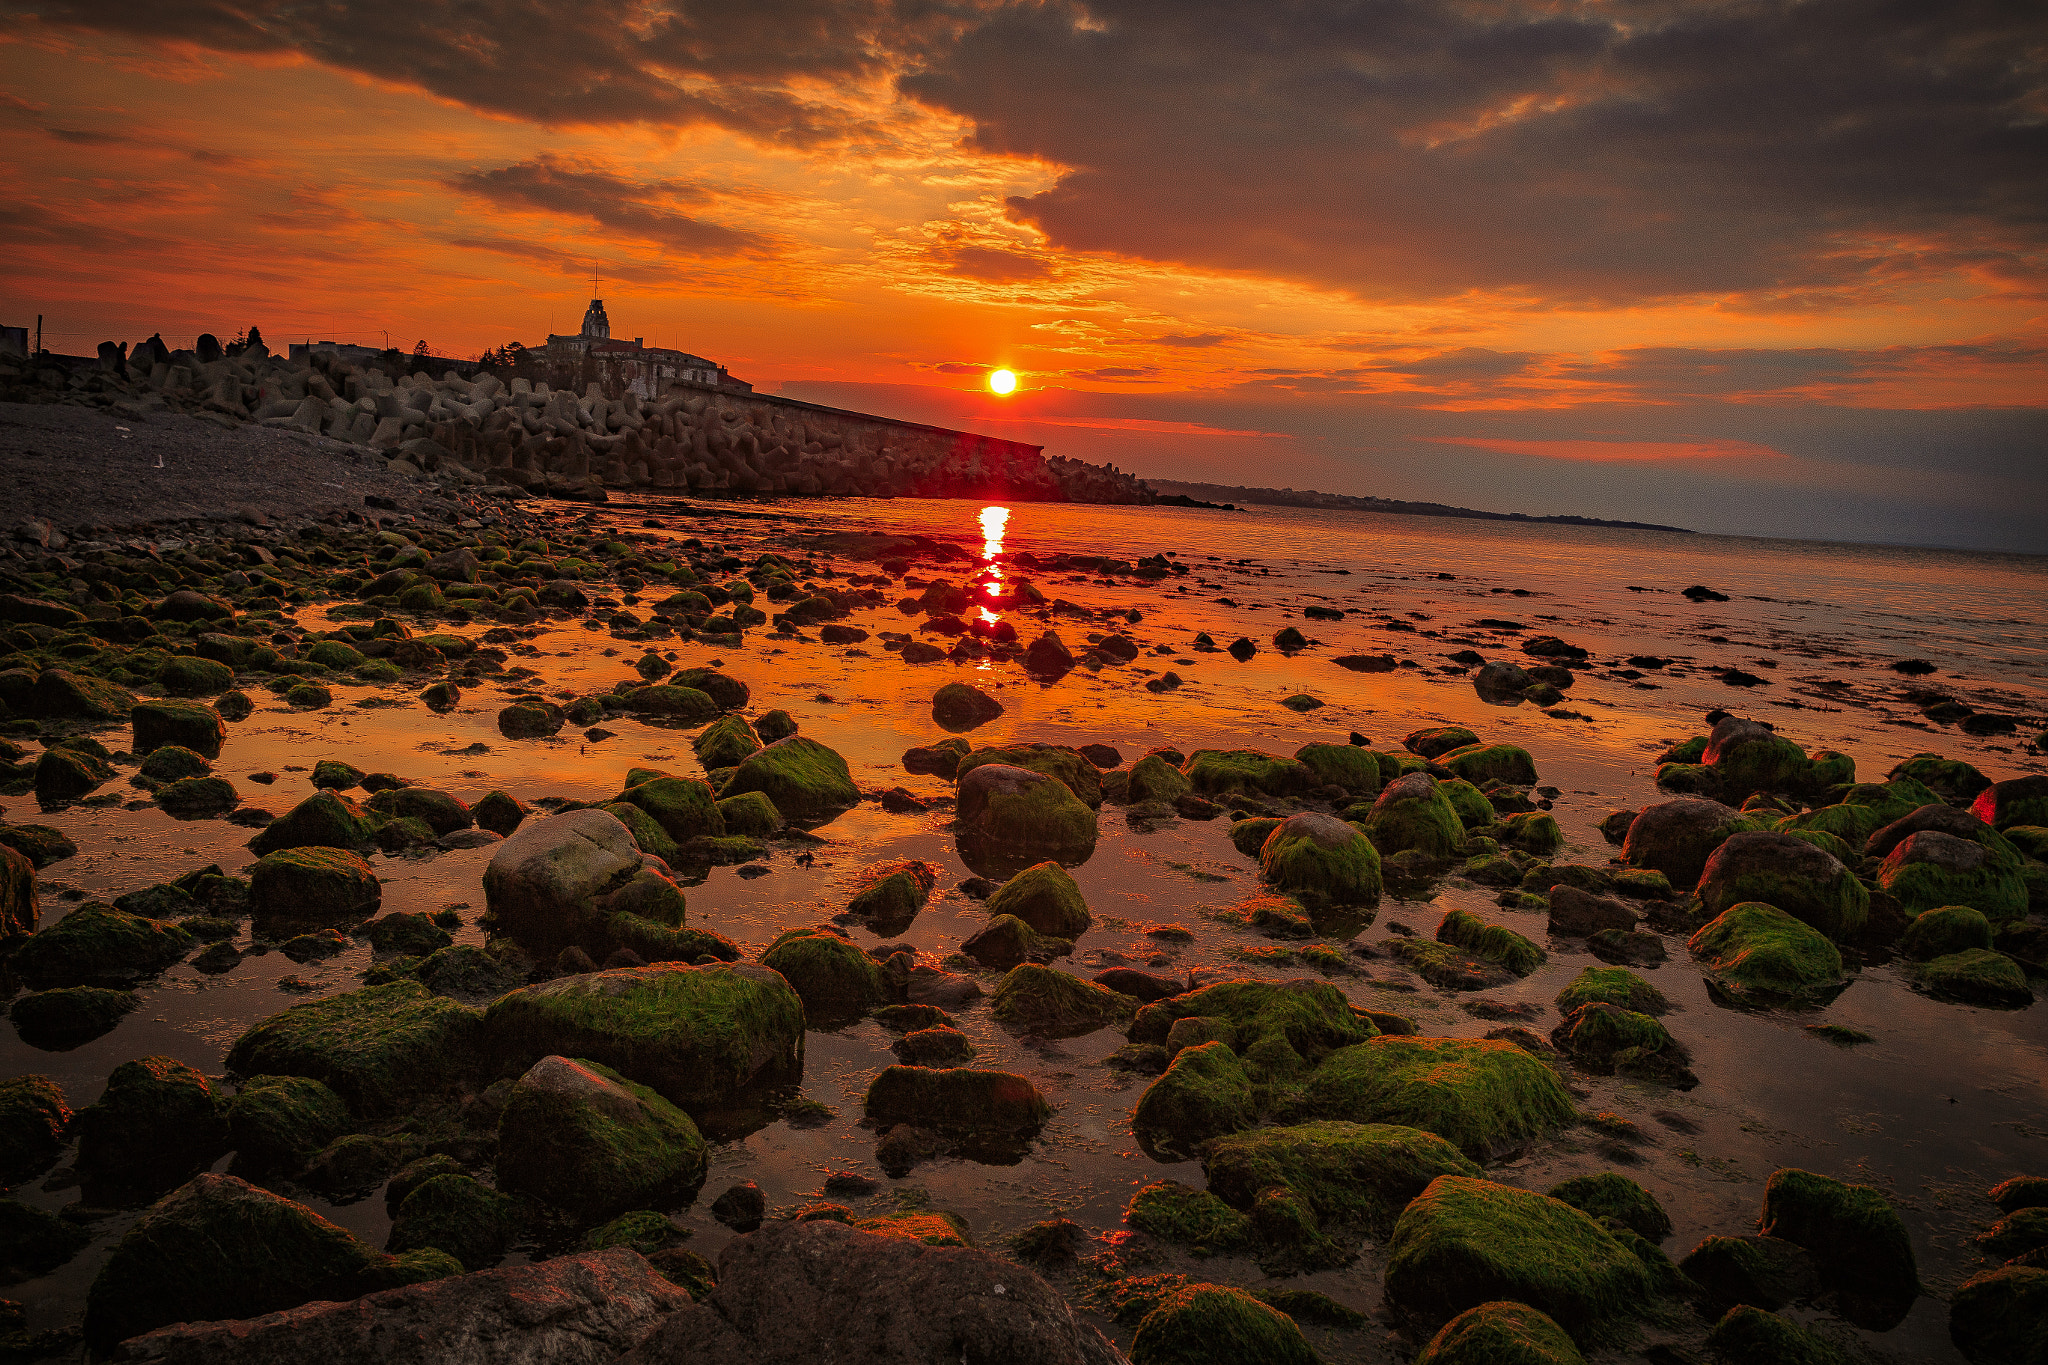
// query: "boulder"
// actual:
[[1857, 1239], [580, 1136], [808, 782], [1484, 1096], [1616, 1199], [442, 812], [1977, 976], [1748, 756], [1045, 897], [1751, 1336], [1465, 1242], [1278, 1028], [683, 807], [219, 1248], [63, 695], [1944, 930], [1054, 1004], [189, 724], [1480, 764], [323, 820], [279, 1122], [1321, 858], [2001, 1316], [310, 888], [726, 743], [1609, 1040], [1212, 1322], [1411, 814], [795, 1293], [1757, 948], [1355, 1174], [1789, 873], [1500, 1333], [20, 910], [98, 943], [956, 1098], [2016, 801], [1576, 914], [380, 1048], [1616, 986], [543, 883], [891, 894], [1204, 1094], [1066, 765], [1218, 772], [1340, 765], [960, 707], [1929, 868], [698, 1036], [836, 979], [156, 1123], [33, 1122], [1024, 810], [1677, 837], [1764, 1272]]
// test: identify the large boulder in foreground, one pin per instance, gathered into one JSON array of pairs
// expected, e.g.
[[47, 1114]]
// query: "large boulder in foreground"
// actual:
[[188, 724], [379, 1048], [580, 1136], [219, 1247], [585, 1307], [311, 888], [698, 1036], [1788, 872], [798, 1293], [543, 882], [1466, 1242]]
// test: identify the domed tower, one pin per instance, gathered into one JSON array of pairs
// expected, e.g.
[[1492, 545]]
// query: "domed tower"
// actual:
[[596, 326]]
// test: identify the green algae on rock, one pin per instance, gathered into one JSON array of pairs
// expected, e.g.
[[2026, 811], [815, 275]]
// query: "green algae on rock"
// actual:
[[2001, 1316], [957, 1098], [1748, 1335], [98, 943], [1018, 809], [750, 814], [279, 1122], [33, 1120], [1977, 976], [1500, 1333], [1278, 1029], [1615, 1197], [1341, 765], [1194, 1218], [1616, 986], [1410, 814], [1789, 873], [157, 1121], [1218, 772], [1466, 1241], [684, 807], [1204, 1094], [1045, 897], [577, 1134], [700, 1036], [1931, 868], [1607, 1039], [1055, 1004], [311, 887], [1351, 1173], [1320, 857], [1480, 764], [892, 893], [1485, 1097], [1209, 1324], [807, 781], [1067, 766], [726, 743], [379, 1048], [455, 1216], [1857, 1238], [1496, 943], [1943, 930], [1753, 947], [323, 820], [1677, 837], [835, 978]]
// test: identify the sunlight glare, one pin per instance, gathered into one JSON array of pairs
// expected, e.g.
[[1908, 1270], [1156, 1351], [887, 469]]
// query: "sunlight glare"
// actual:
[[1002, 381]]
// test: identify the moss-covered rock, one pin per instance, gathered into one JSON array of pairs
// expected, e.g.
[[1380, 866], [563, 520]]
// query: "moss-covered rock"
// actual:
[[699, 1036], [1472, 805], [444, 813], [1750, 1336], [219, 1248], [156, 1122], [170, 762], [835, 978], [1931, 868], [807, 781], [684, 807], [1152, 778], [188, 676], [1321, 858], [64, 773], [312, 887], [2000, 1317], [1360, 1174], [1412, 815], [1747, 756], [63, 695], [1753, 947], [671, 702], [1789, 873], [1016, 808], [33, 1121], [1465, 1242], [2015, 801], [1615, 985], [1944, 930], [956, 1099], [1341, 765], [380, 1048], [1614, 1197], [1496, 943], [195, 797], [1486, 1097], [959, 706], [1531, 831], [1480, 764], [279, 1122], [98, 943], [726, 743], [892, 893], [1677, 837], [750, 815], [1217, 772], [34, 1242], [1500, 1333], [1204, 1094], [1951, 779], [1278, 1029], [1977, 976], [20, 907], [322, 820], [40, 844], [577, 1134], [498, 813], [1183, 1214], [1054, 1004], [1045, 897], [1209, 1324], [1857, 1239], [1607, 1039]]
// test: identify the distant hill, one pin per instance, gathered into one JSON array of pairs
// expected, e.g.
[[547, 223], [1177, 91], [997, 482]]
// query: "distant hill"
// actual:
[[1289, 497]]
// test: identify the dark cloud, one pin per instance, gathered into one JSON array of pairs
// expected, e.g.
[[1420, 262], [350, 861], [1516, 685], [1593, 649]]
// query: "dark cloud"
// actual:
[[86, 137], [993, 265], [1578, 148], [1113, 372], [1191, 339], [578, 189], [749, 67]]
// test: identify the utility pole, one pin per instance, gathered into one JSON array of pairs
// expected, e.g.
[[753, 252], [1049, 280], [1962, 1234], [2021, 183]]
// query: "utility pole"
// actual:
[[39, 334]]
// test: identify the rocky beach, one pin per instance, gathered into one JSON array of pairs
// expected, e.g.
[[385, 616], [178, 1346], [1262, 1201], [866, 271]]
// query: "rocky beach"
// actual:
[[494, 874]]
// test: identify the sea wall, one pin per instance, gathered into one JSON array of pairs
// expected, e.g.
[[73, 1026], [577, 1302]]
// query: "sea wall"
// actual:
[[694, 438]]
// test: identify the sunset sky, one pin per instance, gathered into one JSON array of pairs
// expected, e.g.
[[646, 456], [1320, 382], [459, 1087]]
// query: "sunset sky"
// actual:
[[1753, 267]]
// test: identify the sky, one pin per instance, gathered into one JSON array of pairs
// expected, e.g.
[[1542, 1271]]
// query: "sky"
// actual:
[[1756, 267]]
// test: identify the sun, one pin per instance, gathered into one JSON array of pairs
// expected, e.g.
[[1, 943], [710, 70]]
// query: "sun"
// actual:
[[1002, 381]]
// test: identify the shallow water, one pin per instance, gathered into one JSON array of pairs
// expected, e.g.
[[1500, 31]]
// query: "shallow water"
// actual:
[[1948, 1101]]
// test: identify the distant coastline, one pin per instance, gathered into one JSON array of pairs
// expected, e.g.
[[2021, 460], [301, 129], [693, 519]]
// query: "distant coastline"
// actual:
[[1288, 497]]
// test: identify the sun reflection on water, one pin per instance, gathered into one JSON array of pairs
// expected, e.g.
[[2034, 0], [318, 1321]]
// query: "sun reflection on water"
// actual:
[[993, 522]]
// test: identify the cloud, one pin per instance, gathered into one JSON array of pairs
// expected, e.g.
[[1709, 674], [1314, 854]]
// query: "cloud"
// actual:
[[1618, 451], [993, 265], [581, 189], [1113, 372], [1194, 340], [1576, 150]]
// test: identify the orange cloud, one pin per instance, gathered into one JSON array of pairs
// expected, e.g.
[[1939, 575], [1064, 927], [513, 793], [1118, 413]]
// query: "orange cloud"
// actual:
[[1619, 452]]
